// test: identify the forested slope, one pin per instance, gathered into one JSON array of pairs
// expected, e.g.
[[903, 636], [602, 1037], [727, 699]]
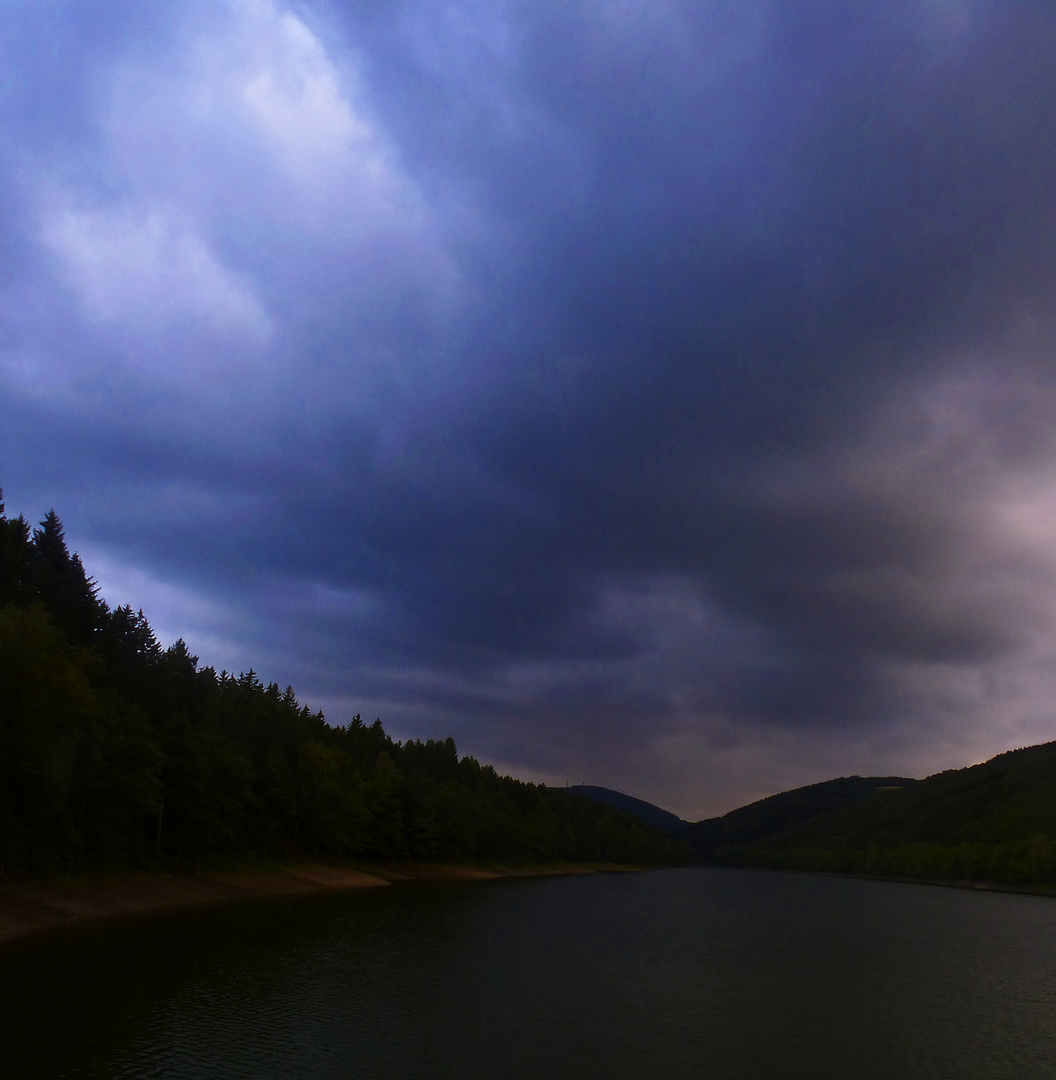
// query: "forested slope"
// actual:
[[118, 753], [773, 815], [651, 814], [993, 822]]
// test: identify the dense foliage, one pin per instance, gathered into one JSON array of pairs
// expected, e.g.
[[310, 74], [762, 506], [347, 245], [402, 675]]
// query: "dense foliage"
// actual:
[[773, 815], [116, 752], [994, 822]]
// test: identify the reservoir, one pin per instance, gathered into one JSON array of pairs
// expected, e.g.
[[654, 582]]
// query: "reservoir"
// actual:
[[687, 973]]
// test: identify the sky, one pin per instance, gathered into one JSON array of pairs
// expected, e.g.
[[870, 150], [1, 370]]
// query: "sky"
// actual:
[[647, 393]]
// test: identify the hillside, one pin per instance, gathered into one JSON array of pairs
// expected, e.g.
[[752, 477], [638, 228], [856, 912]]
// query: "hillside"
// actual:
[[652, 815], [993, 822], [773, 815], [117, 753]]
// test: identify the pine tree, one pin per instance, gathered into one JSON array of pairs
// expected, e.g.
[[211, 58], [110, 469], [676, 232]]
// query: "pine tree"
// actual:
[[14, 558], [57, 579]]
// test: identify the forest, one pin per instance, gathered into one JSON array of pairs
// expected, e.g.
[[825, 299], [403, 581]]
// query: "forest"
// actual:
[[117, 753], [989, 823]]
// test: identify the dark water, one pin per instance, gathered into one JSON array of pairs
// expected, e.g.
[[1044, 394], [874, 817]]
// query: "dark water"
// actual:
[[681, 973]]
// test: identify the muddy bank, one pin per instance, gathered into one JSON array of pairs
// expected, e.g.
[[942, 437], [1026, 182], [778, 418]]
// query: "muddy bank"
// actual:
[[26, 908]]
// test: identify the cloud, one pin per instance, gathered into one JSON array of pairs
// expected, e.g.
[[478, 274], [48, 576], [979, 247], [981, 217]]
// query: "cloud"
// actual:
[[656, 394], [302, 107], [150, 270]]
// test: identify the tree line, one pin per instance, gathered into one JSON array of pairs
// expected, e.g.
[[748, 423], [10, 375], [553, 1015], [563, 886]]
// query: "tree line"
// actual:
[[117, 753], [993, 822]]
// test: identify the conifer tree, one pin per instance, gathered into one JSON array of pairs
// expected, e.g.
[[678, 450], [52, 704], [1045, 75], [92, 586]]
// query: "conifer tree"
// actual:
[[14, 557], [60, 583]]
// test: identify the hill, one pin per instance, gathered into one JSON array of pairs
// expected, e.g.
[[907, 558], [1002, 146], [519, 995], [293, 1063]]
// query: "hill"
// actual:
[[654, 816], [992, 822], [773, 815]]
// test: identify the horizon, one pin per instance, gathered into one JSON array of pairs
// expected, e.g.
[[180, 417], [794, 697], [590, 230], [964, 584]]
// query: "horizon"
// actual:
[[660, 394]]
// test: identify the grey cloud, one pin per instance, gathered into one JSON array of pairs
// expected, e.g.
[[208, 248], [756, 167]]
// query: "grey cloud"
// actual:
[[668, 375]]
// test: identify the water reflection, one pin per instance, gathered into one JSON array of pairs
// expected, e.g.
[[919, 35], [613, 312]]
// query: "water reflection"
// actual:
[[685, 973]]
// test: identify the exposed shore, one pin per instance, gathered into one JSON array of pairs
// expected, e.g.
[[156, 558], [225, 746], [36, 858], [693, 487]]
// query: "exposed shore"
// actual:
[[27, 908]]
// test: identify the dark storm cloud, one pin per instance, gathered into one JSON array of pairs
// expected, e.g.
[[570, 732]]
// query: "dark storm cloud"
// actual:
[[660, 392]]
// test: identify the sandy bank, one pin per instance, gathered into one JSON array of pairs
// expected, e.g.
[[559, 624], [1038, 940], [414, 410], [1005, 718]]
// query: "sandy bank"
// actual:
[[28, 908]]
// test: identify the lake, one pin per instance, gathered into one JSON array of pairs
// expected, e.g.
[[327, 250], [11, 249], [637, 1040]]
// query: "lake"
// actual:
[[701, 973]]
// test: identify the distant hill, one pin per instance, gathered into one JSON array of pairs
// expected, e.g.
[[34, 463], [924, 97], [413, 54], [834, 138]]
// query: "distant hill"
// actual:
[[993, 822], [773, 815], [646, 812]]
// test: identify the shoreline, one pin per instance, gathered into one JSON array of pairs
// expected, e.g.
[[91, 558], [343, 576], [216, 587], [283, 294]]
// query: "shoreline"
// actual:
[[969, 884], [35, 907]]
